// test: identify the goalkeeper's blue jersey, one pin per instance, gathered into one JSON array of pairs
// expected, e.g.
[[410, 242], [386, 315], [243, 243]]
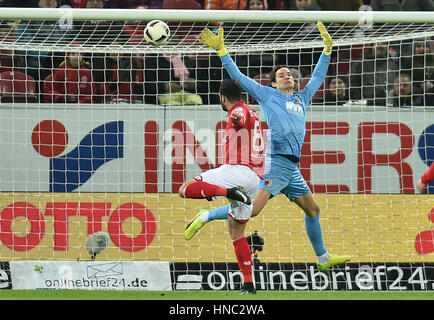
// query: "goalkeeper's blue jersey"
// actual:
[[285, 114]]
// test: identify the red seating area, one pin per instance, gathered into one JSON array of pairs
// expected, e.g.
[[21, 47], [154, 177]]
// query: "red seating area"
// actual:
[[181, 4], [17, 87]]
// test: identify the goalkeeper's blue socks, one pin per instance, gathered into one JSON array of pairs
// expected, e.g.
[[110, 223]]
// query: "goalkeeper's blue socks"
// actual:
[[314, 231], [220, 213]]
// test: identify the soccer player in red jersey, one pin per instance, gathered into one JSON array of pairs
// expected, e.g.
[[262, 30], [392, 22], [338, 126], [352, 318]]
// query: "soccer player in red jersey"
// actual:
[[73, 82], [426, 178], [244, 151]]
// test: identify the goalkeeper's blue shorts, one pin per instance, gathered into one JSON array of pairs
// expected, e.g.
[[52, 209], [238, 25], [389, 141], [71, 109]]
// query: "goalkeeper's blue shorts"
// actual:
[[283, 176]]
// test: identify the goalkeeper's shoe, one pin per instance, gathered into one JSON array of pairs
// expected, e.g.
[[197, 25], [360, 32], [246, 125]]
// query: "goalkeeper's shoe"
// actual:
[[248, 288], [194, 225], [334, 260], [238, 194]]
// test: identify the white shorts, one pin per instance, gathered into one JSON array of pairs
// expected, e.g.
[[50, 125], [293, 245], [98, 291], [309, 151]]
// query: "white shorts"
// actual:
[[229, 176]]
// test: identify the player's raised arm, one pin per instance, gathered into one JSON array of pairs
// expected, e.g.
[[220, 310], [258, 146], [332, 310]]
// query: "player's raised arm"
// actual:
[[208, 38], [238, 118], [216, 42], [320, 72], [426, 178], [326, 38]]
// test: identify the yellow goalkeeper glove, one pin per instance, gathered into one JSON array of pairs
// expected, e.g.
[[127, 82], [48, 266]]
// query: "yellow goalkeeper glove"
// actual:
[[328, 42], [208, 38]]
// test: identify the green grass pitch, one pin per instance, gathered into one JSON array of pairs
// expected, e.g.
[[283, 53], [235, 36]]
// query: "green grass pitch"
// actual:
[[209, 295]]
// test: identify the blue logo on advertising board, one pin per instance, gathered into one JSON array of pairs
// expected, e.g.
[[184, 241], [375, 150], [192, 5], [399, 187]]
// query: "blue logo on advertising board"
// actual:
[[70, 171]]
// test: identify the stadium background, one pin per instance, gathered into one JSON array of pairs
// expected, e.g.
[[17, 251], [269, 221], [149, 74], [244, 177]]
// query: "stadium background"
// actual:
[[361, 162]]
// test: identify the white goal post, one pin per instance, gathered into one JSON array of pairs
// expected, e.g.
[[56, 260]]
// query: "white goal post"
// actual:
[[111, 159], [268, 30]]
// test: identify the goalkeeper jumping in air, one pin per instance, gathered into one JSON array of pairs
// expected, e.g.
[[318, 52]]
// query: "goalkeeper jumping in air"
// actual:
[[285, 113]]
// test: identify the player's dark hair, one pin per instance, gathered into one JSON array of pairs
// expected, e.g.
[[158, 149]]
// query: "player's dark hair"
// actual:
[[232, 90], [272, 74], [405, 75]]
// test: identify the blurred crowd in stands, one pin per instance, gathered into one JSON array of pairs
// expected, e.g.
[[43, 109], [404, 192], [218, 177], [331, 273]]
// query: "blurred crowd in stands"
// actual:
[[393, 74]]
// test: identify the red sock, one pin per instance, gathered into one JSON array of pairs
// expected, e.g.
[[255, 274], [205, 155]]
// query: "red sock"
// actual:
[[244, 257], [202, 190]]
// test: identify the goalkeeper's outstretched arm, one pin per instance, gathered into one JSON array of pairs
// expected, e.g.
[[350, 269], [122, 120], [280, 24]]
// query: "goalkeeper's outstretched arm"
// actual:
[[208, 38], [256, 90], [320, 72], [328, 41], [216, 42]]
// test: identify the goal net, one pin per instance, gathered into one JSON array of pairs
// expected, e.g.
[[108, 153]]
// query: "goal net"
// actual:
[[99, 130]]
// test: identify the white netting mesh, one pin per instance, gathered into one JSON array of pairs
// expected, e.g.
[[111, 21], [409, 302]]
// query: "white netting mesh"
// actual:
[[95, 152], [100, 35], [127, 37]]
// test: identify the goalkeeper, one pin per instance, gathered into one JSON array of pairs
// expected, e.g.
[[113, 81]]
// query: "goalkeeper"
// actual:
[[285, 113]]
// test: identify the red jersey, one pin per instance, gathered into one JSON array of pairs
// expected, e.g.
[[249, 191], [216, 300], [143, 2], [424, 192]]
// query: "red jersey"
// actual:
[[225, 4], [68, 80], [244, 141], [122, 90], [79, 3]]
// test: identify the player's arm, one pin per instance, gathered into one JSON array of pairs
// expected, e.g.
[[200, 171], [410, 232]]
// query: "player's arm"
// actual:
[[326, 38], [239, 117], [216, 42], [320, 72], [208, 38], [428, 175], [426, 178]]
